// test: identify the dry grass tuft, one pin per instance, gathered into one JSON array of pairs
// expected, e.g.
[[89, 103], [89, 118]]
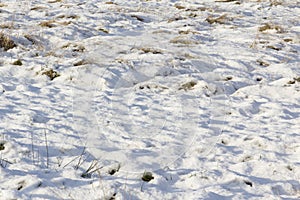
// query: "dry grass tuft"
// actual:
[[81, 62], [17, 62], [7, 26], [31, 39], [217, 20], [72, 16], [103, 30], [179, 7], [6, 43], [139, 18], [38, 8], [276, 48], [186, 32], [110, 3], [150, 50], [52, 23], [225, 1], [296, 79], [51, 74], [183, 41], [262, 63], [288, 40], [276, 3], [55, 1], [269, 26], [147, 176], [188, 86], [49, 24]]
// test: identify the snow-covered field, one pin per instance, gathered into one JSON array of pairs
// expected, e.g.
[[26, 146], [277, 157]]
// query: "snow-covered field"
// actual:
[[150, 99]]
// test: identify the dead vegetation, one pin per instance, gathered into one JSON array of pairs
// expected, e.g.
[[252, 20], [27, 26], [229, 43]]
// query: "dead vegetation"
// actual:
[[218, 20], [2, 147], [78, 48], [268, 26], [226, 1], [72, 16], [111, 3], [75, 47], [265, 37], [186, 32], [48, 24], [188, 86], [81, 62], [150, 50], [38, 8], [152, 86], [193, 9], [238, 2], [183, 40], [179, 7], [276, 2], [52, 23], [31, 39], [55, 1], [177, 18], [103, 30], [51, 74], [35, 40], [296, 79], [288, 40], [273, 47], [262, 63], [147, 176], [6, 43], [139, 18], [272, 2], [7, 25], [228, 78], [17, 62]]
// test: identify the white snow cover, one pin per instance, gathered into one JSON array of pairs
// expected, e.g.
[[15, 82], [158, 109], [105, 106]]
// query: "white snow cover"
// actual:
[[150, 99]]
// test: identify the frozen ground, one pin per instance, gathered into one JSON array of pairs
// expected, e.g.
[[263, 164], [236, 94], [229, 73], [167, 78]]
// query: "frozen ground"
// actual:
[[204, 95]]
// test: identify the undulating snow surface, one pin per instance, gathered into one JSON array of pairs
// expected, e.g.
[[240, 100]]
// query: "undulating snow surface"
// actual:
[[96, 95]]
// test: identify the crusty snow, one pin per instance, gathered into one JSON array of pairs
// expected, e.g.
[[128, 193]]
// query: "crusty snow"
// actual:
[[204, 95]]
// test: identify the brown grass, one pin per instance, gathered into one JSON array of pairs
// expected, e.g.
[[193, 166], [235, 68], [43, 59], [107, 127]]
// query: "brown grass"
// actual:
[[217, 20], [274, 47], [73, 16], [139, 18], [150, 50], [51, 74], [110, 3], [38, 8], [17, 62], [268, 26], [188, 86], [186, 32], [55, 1], [103, 30], [52, 23], [81, 62], [6, 43], [288, 40], [183, 41], [179, 7], [7, 26], [49, 24], [262, 63], [226, 1]]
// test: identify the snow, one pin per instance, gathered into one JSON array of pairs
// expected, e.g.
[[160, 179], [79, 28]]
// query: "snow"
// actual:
[[204, 95]]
